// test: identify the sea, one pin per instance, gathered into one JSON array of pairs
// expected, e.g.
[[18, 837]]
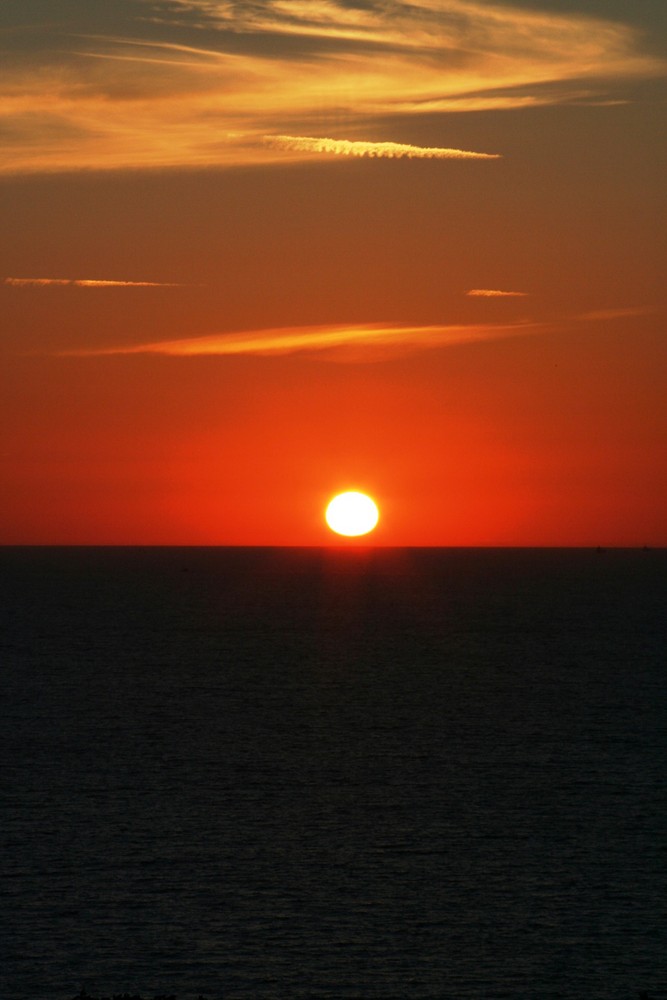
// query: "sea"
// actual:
[[246, 774]]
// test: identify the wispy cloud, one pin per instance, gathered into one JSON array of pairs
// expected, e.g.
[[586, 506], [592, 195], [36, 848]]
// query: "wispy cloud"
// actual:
[[623, 312], [128, 85], [387, 150], [356, 342], [495, 293], [88, 283], [322, 338]]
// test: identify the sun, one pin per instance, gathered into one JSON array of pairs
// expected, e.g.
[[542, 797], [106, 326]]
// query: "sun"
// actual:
[[352, 513]]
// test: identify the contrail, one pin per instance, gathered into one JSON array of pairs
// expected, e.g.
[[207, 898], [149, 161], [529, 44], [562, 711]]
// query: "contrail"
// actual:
[[495, 293], [387, 150], [90, 283]]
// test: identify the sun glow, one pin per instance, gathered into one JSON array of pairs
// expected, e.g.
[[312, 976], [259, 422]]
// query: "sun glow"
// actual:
[[351, 514]]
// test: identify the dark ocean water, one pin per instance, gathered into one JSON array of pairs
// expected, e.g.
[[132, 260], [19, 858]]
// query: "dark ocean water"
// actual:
[[262, 773]]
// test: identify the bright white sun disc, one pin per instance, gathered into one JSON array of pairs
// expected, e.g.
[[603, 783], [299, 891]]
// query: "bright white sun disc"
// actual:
[[352, 513]]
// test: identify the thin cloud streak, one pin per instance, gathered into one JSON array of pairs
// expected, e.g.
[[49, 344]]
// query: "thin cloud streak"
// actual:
[[495, 293], [88, 283], [357, 342], [386, 150], [623, 312], [321, 338]]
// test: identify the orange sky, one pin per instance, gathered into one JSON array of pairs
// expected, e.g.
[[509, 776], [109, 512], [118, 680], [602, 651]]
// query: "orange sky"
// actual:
[[238, 254]]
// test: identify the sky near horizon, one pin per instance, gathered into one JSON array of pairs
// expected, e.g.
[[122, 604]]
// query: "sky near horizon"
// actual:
[[254, 253]]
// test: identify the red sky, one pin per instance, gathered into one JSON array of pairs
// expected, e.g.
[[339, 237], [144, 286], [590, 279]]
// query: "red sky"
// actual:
[[213, 320]]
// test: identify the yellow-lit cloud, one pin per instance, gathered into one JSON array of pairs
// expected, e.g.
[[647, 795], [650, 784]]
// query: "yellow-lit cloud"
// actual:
[[363, 341], [138, 92], [321, 338], [494, 293], [387, 150], [88, 283]]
